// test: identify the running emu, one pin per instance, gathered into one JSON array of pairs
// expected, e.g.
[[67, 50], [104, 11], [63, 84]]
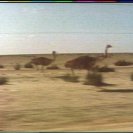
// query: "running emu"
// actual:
[[43, 61], [82, 62], [86, 62]]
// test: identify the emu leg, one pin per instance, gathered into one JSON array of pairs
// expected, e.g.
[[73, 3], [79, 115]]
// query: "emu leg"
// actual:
[[73, 73], [36, 67], [42, 68], [106, 52]]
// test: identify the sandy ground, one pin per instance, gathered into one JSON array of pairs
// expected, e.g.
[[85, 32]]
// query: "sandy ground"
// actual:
[[42, 101]]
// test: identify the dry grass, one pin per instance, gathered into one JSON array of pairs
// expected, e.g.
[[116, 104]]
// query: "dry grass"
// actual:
[[38, 101]]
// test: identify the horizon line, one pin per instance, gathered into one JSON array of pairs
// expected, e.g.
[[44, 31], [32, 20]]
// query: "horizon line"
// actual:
[[65, 53]]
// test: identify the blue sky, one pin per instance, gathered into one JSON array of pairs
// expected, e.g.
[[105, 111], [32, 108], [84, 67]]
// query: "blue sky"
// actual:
[[33, 28]]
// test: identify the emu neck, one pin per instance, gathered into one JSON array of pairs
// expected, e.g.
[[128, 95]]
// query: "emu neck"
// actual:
[[54, 58], [106, 51]]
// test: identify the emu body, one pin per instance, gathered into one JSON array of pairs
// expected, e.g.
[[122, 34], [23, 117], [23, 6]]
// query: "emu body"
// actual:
[[82, 62]]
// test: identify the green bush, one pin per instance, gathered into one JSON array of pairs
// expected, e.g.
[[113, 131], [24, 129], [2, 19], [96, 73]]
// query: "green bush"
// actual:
[[3, 80], [123, 63], [105, 69], [94, 79], [28, 65], [17, 67]]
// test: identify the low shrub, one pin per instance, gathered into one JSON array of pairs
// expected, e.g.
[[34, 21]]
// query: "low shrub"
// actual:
[[94, 79], [28, 65], [123, 63], [3, 80], [69, 78], [131, 77], [105, 69], [17, 67], [1, 66]]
